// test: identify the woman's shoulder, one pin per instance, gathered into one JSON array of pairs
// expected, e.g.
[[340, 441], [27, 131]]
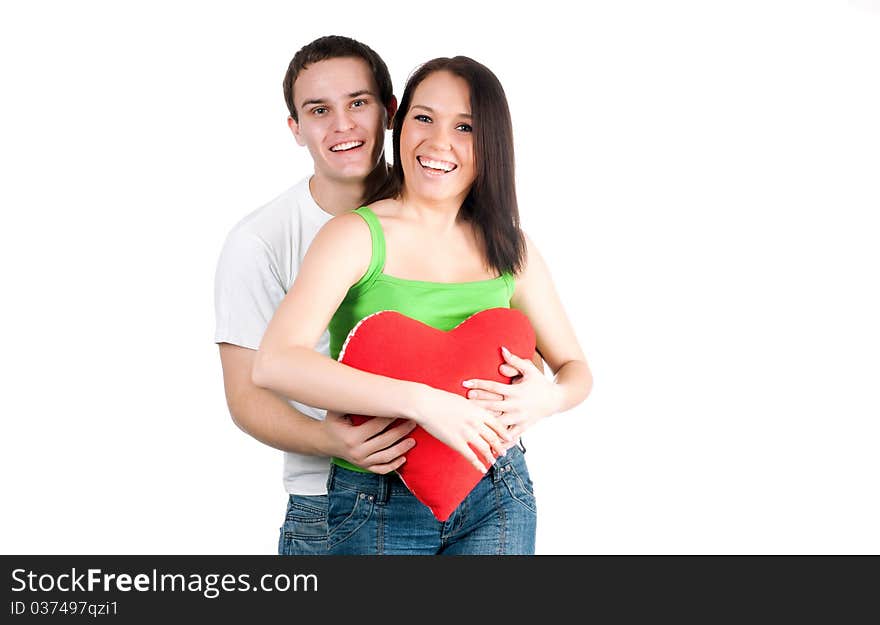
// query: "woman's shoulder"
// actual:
[[385, 209], [348, 229], [346, 223], [533, 266], [353, 227], [530, 251], [342, 248]]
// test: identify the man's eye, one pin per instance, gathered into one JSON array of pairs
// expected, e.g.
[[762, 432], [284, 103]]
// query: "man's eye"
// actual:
[[464, 128], [423, 118], [320, 110]]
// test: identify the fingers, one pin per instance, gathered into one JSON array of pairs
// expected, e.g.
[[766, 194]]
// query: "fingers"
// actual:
[[515, 432], [493, 406], [488, 385], [467, 451], [490, 401], [520, 363], [388, 438], [369, 446], [382, 469], [478, 394], [388, 454], [497, 427], [508, 371], [369, 428], [496, 444], [513, 367], [392, 456], [506, 419], [483, 451], [509, 420]]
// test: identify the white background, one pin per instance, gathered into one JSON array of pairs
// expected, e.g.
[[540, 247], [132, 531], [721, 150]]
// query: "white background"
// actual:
[[702, 177]]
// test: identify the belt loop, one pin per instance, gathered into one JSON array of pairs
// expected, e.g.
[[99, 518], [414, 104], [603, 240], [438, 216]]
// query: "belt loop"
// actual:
[[383, 489], [497, 468], [330, 475]]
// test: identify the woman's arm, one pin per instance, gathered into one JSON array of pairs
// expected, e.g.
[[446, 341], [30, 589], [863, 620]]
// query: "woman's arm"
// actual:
[[536, 397], [287, 363]]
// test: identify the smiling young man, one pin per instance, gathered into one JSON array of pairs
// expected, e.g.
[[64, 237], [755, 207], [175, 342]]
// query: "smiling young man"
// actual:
[[340, 98]]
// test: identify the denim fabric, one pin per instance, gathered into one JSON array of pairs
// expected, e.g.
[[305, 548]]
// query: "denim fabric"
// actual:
[[304, 532], [376, 515]]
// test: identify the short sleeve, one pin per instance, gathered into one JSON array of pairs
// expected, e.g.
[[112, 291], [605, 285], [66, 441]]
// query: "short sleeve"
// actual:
[[248, 287]]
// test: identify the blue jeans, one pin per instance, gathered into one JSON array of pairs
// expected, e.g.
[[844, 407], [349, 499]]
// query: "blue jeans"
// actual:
[[304, 532], [371, 514]]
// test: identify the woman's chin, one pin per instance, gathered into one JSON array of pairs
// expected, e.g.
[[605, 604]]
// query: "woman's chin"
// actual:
[[436, 193]]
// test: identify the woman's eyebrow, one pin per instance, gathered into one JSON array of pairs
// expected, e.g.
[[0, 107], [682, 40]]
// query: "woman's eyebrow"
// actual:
[[430, 110]]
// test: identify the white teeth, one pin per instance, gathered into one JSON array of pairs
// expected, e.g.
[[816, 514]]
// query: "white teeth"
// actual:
[[346, 146], [442, 165]]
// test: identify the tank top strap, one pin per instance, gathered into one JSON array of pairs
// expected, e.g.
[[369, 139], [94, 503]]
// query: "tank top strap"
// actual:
[[510, 282], [377, 257]]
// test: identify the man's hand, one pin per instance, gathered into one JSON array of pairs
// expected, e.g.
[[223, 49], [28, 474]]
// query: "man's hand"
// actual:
[[368, 445]]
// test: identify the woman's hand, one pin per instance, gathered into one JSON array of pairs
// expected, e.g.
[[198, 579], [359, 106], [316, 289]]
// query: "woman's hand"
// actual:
[[471, 430], [528, 400]]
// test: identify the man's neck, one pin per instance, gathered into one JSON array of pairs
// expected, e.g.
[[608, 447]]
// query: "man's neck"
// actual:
[[335, 197]]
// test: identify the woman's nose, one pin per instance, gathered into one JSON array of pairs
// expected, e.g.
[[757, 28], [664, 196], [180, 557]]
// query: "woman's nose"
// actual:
[[441, 139]]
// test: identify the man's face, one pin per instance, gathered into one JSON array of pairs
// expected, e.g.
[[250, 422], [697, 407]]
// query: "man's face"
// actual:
[[341, 119]]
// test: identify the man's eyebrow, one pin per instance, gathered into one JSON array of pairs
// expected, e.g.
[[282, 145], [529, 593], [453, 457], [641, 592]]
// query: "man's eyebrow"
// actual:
[[430, 110], [354, 94]]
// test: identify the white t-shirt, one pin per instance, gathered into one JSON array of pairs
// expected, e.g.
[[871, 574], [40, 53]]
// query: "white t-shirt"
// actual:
[[259, 262]]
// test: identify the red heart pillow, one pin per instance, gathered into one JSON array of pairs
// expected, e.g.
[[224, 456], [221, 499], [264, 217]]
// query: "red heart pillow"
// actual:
[[391, 344]]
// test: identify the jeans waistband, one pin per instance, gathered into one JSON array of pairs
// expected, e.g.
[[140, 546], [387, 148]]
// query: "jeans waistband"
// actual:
[[383, 486]]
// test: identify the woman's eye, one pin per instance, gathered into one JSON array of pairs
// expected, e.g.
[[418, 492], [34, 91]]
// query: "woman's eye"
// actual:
[[464, 128], [359, 103], [423, 118]]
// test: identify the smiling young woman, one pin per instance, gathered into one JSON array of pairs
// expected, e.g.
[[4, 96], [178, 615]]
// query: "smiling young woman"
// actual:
[[440, 243]]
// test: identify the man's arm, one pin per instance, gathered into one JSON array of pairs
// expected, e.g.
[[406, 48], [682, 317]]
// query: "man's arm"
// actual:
[[270, 419]]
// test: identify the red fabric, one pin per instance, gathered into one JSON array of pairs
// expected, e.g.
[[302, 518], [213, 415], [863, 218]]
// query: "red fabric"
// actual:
[[394, 345]]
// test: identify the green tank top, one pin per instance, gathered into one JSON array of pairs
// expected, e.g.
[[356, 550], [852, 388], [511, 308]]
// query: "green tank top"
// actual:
[[441, 305]]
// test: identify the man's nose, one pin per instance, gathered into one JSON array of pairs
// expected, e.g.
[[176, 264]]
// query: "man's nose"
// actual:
[[343, 121]]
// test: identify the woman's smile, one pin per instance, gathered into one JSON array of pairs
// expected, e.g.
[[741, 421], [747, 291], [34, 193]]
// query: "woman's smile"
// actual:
[[436, 167]]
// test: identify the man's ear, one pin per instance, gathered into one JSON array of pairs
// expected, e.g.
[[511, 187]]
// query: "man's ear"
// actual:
[[392, 110], [294, 128]]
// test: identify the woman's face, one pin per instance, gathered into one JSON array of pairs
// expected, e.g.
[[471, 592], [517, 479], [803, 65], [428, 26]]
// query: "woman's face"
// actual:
[[436, 142]]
